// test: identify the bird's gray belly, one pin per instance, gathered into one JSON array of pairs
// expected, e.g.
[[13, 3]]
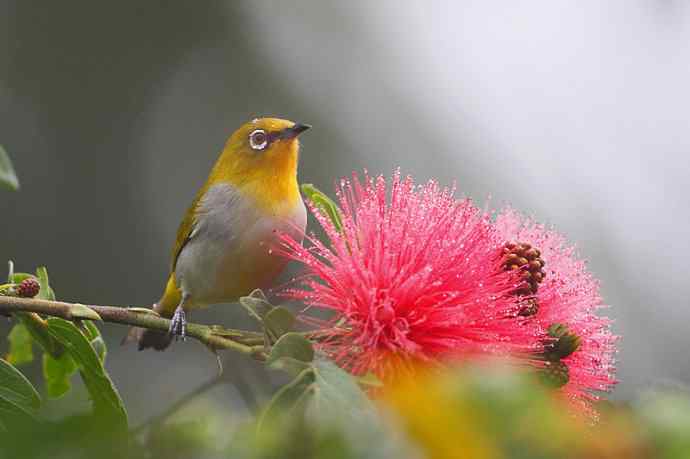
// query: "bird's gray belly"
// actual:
[[234, 248]]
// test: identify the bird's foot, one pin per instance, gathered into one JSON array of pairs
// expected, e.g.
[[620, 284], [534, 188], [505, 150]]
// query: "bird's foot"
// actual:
[[178, 325]]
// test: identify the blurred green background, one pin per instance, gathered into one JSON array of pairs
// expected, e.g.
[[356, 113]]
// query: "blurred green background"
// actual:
[[574, 112]]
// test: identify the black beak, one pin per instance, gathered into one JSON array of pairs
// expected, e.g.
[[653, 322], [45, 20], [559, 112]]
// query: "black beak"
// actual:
[[294, 131]]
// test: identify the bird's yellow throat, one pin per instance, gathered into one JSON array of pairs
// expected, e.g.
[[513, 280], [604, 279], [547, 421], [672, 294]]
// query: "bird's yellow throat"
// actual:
[[272, 185], [268, 177]]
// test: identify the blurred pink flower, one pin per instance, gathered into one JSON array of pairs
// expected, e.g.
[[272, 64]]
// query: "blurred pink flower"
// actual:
[[415, 276], [568, 295]]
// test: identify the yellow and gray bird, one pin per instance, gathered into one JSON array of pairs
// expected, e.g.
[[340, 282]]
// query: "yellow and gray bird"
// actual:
[[225, 243]]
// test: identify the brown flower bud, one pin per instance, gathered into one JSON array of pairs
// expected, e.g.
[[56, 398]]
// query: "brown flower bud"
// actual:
[[28, 288], [521, 255]]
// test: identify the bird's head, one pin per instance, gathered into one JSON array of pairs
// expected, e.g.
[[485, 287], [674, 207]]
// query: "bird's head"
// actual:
[[263, 146], [262, 153]]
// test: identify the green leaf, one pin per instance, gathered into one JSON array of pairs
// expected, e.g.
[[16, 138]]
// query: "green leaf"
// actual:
[[100, 347], [16, 390], [93, 334], [290, 399], [38, 329], [46, 292], [90, 330], [325, 204], [292, 353], [323, 401], [338, 391], [58, 373], [256, 305], [292, 345], [322, 391], [278, 322], [8, 177], [21, 345], [17, 278], [106, 399]]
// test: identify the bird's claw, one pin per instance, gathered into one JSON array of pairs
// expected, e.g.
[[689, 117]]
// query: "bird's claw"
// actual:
[[178, 325]]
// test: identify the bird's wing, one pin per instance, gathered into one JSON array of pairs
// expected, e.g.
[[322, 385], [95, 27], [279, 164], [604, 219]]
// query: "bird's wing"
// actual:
[[187, 228], [216, 211]]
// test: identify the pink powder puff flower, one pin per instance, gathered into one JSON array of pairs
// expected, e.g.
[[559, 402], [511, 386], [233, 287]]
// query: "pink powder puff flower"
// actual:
[[568, 295], [415, 276]]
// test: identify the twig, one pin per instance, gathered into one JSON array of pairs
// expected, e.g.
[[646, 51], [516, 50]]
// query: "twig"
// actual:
[[212, 336]]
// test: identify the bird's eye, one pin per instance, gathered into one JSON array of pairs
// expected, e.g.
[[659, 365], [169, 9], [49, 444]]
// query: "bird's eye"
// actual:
[[258, 139]]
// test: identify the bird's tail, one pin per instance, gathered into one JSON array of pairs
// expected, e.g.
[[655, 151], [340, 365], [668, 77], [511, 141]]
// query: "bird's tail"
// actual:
[[145, 338]]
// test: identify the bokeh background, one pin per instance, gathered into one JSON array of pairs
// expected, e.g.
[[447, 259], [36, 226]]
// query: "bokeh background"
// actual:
[[574, 112]]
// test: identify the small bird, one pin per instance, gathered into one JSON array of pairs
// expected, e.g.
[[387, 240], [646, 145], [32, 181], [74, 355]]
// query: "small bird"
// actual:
[[224, 246]]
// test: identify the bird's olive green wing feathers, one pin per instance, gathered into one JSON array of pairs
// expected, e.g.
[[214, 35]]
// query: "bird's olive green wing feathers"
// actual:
[[186, 229], [184, 233]]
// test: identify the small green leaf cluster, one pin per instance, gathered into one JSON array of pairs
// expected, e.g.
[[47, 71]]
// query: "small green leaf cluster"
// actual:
[[67, 348], [274, 320], [322, 411]]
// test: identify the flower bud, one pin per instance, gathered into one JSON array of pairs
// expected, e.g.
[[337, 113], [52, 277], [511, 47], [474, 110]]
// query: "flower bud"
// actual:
[[28, 288], [554, 374], [561, 343], [521, 255]]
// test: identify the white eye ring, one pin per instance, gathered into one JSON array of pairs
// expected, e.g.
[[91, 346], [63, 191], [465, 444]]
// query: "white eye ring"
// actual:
[[258, 139]]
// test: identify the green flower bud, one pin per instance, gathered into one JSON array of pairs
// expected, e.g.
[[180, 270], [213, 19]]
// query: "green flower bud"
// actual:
[[554, 374], [561, 343]]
